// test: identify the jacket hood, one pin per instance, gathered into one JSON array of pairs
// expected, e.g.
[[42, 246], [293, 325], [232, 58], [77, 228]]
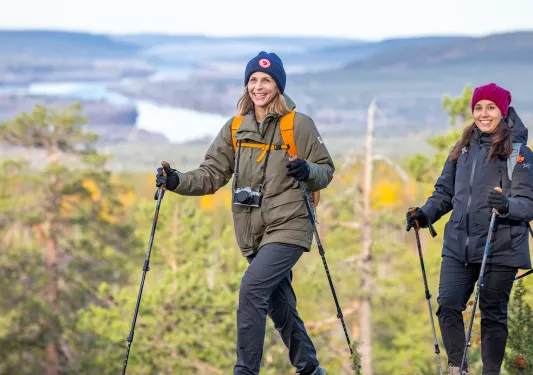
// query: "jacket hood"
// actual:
[[518, 129], [290, 102]]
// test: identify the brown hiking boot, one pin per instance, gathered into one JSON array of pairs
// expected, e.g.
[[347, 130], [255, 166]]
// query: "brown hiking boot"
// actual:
[[454, 370]]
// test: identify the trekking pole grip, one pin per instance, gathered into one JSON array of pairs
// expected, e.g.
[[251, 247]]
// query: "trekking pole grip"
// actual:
[[500, 190], [417, 228], [164, 164], [412, 210]]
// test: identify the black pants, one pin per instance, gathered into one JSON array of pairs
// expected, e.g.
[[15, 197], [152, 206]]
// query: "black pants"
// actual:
[[456, 286], [266, 289]]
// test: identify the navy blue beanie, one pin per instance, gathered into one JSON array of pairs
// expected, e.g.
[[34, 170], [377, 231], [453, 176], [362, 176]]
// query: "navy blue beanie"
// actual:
[[268, 63]]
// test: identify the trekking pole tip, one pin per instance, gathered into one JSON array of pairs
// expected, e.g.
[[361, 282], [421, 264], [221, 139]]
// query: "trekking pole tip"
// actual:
[[356, 357]]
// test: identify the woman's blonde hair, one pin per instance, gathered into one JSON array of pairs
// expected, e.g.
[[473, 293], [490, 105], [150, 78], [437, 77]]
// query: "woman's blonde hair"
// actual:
[[278, 104]]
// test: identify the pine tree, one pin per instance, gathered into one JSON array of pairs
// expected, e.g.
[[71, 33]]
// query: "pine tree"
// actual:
[[425, 169], [60, 223], [519, 355], [186, 322]]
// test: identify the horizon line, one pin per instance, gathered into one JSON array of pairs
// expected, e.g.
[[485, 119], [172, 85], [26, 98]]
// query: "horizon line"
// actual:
[[258, 36]]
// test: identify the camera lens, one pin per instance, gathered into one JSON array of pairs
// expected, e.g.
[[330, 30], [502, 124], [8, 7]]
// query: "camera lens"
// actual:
[[244, 197]]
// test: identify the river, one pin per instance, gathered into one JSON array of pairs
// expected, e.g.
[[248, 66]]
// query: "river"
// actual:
[[178, 124]]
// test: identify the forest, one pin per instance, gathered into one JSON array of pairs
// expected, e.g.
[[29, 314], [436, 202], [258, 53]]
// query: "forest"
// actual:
[[73, 239]]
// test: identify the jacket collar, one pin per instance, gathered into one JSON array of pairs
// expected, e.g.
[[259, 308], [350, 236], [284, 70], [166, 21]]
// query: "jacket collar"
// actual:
[[249, 128], [481, 138]]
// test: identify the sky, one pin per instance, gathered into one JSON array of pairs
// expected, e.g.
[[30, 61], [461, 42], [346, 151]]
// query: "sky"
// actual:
[[369, 20]]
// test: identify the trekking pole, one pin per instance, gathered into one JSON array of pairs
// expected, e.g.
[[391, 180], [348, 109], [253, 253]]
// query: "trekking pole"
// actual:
[[412, 210], [523, 275], [530, 271], [479, 282], [355, 366], [146, 266]]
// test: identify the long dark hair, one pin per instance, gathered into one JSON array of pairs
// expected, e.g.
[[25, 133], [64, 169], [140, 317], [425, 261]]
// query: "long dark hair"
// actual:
[[501, 147]]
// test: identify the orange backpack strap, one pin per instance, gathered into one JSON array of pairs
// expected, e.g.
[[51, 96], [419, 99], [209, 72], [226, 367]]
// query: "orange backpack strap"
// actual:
[[287, 133], [236, 123], [286, 125]]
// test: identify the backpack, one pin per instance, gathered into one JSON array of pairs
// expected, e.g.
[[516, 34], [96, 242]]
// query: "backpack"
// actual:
[[512, 160], [511, 163], [286, 126]]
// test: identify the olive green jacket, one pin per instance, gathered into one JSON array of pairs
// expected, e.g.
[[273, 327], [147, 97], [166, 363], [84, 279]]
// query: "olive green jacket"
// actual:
[[282, 216]]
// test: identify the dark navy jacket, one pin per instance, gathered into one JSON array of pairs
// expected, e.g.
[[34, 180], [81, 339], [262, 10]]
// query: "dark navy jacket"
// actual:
[[464, 187]]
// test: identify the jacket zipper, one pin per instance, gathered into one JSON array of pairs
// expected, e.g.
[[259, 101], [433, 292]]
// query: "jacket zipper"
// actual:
[[468, 205]]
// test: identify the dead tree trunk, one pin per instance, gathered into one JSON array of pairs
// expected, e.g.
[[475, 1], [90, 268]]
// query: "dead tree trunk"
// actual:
[[366, 264], [51, 259]]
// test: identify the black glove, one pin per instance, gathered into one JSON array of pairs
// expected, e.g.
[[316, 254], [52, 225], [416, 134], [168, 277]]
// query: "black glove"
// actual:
[[498, 201], [415, 213], [171, 180], [298, 169]]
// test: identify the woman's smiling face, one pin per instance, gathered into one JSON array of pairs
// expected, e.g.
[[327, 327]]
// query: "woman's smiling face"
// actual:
[[487, 116]]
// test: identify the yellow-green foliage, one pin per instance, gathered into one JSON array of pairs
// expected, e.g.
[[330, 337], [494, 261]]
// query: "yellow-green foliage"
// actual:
[[186, 325]]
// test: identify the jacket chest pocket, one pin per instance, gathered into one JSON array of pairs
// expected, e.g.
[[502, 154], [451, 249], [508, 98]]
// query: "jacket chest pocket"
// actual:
[[491, 174], [456, 218], [287, 211]]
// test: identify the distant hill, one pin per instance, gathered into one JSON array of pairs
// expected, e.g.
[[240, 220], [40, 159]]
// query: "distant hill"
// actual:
[[298, 53], [357, 51], [339, 54], [47, 56], [410, 81], [63, 44], [495, 49], [200, 49], [151, 40], [331, 79]]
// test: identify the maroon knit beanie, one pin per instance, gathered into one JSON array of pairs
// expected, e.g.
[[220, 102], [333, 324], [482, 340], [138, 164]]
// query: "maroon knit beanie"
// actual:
[[496, 94]]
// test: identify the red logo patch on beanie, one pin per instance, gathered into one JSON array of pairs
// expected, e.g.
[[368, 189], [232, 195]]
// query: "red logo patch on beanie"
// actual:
[[264, 63]]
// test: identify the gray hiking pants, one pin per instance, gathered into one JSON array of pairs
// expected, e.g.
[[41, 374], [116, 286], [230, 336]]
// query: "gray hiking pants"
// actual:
[[266, 289]]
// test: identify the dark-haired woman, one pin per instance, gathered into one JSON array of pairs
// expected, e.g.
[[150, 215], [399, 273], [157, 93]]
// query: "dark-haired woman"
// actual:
[[474, 168]]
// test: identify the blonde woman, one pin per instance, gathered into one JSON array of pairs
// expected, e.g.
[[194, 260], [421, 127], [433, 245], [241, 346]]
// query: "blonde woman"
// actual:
[[272, 227]]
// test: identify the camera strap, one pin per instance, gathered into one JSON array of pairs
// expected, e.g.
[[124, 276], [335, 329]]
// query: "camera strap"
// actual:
[[263, 174]]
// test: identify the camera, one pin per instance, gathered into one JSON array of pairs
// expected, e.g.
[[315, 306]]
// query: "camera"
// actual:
[[247, 197]]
